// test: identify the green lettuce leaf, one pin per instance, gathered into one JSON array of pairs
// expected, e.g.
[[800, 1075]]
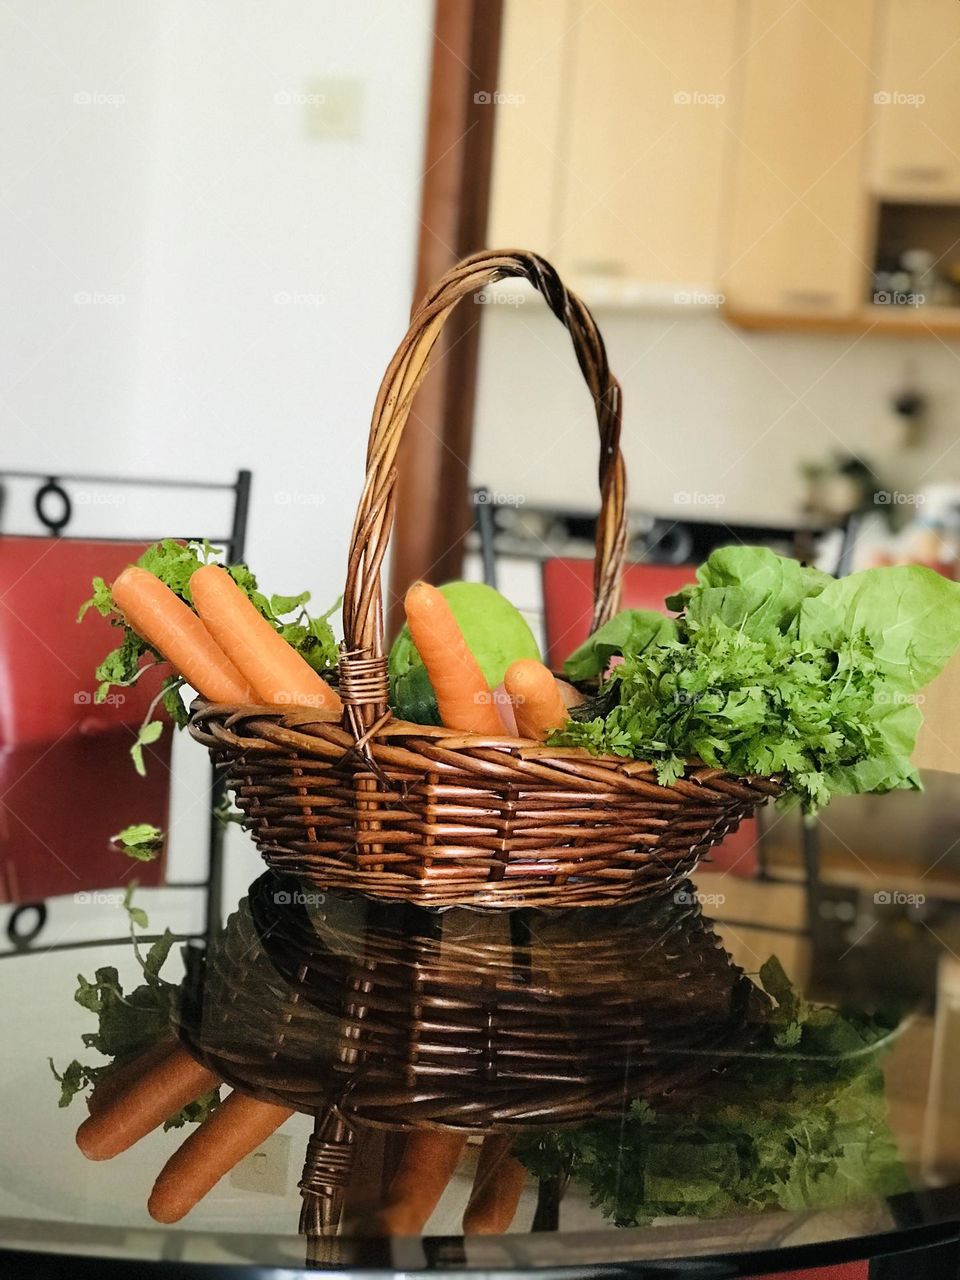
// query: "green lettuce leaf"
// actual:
[[631, 631]]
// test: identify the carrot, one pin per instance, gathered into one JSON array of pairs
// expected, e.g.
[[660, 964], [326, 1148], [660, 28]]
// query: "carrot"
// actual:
[[464, 699], [119, 1077], [158, 1093], [172, 628], [429, 1161], [277, 673], [238, 1126], [497, 1188], [536, 699]]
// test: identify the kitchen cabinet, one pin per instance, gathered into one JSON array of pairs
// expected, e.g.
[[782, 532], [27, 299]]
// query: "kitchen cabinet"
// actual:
[[613, 162], [529, 148], [916, 101], [798, 233]]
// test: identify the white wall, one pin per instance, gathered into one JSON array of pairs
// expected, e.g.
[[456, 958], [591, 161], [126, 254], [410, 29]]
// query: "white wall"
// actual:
[[708, 410], [190, 283]]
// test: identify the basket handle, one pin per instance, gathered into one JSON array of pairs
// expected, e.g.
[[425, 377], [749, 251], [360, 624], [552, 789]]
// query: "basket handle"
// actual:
[[362, 598]]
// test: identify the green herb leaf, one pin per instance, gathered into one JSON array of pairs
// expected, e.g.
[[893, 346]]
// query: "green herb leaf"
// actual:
[[101, 600], [147, 733], [141, 841]]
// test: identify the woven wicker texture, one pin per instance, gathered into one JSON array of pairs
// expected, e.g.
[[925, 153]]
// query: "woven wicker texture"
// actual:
[[426, 815], [402, 1018]]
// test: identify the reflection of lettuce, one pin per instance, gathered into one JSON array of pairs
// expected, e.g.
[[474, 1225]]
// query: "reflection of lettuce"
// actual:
[[774, 668], [797, 1123]]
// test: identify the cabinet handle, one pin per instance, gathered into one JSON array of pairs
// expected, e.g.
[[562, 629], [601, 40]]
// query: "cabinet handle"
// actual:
[[820, 299], [921, 173]]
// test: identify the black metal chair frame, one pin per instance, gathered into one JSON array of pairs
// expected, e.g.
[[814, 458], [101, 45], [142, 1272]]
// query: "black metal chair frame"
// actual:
[[54, 510]]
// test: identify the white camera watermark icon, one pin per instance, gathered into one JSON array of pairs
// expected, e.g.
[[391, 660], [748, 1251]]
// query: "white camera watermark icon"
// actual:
[[694, 498], [697, 98], [494, 98], [298, 898], [896, 898], [693, 898], [894, 98], [97, 98], [98, 898]]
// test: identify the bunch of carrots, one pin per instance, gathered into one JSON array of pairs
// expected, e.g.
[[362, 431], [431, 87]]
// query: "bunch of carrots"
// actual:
[[229, 653], [226, 650], [137, 1097]]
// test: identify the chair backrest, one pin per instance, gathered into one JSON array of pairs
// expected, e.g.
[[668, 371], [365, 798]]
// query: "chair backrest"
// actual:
[[47, 659], [67, 783], [568, 598]]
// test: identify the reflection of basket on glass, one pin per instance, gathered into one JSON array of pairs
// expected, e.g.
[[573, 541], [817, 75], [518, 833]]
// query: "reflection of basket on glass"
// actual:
[[414, 812], [369, 1015]]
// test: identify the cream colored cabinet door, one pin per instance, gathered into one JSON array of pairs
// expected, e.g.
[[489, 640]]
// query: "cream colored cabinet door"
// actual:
[[646, 113], [798, 239], [529, 150], [916, 152]]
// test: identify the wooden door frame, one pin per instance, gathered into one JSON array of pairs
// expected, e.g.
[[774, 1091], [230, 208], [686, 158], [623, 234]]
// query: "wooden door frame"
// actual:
[[433, 502]]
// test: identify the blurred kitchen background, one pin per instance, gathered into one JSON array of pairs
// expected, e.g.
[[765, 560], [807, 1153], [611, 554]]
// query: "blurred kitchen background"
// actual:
[[761, 202], [216, 217]]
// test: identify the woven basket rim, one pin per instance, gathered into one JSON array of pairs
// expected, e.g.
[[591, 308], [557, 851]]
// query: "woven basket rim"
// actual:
[[302, 721]]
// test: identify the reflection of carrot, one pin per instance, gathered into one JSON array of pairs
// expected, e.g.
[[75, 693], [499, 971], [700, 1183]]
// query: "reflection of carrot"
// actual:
[[158, 1093], [428, 1163], [537, 703], [278, 674], [238, 1126], [172, 628], [119, 1077], [464, 699], [497, 1188]]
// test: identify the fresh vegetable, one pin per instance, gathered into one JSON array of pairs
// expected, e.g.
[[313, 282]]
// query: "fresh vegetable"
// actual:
[[174, 631], [239, 1125], [495, 632], [775, 669], [537, 704], [463, 696], [163, 1090], [141, 841], [430, 1158], [798, 1122], [276, 672], [174, 563], [130, 1026], [497, 1188]]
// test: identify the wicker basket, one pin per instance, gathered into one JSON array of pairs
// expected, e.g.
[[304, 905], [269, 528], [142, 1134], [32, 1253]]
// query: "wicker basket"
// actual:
[[371, 1015], [412, 812], [463, 1020]]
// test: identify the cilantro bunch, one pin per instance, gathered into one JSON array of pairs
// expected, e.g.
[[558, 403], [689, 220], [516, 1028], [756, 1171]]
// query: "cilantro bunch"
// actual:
[[797, 1122], [773, 668], [174, 563]]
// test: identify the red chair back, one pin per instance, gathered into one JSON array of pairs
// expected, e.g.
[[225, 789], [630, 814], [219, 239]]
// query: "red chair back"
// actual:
[[67, 783], [567, 611], [568, 598]]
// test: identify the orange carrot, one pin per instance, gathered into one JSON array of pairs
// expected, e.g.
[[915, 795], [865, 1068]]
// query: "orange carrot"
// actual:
[[238, 1126], [277, 673], [497, 1187], [464, 699], [158, 1093], [119, 1078], [162, 619], [429, 1161], [537, 703]]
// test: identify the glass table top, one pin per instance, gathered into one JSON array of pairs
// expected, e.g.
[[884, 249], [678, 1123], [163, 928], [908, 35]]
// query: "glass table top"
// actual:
[[759, 1070]]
